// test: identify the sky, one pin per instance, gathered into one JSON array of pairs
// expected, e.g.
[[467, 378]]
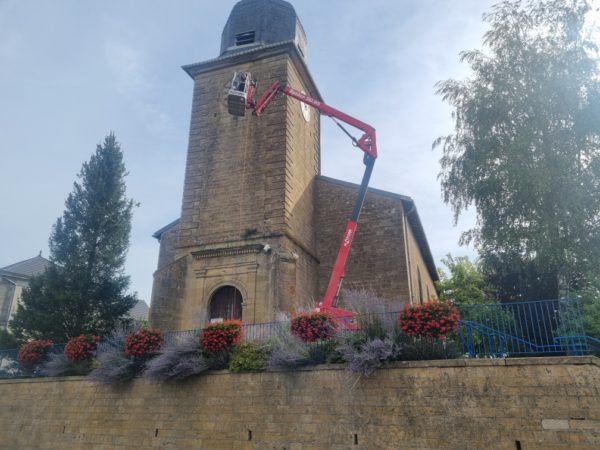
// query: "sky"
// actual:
[[72, 71]]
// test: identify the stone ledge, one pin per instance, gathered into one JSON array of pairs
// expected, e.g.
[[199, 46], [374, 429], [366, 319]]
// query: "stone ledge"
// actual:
[[438, 363], [549, 360], [42, 380]]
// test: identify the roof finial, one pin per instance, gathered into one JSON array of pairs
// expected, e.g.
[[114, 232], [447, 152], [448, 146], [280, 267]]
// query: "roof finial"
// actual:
[[40, 253]]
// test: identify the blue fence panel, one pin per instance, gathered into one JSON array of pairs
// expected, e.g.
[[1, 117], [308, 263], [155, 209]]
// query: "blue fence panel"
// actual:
[[11, 368], [524, 328]]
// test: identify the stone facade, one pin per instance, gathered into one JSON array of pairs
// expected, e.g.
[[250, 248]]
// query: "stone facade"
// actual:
[[502, 404], [13, 279], [247, 209], [252, 216], [385, 255]]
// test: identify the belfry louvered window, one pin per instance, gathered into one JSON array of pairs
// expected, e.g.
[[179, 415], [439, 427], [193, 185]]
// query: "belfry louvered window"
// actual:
[[244, 38]]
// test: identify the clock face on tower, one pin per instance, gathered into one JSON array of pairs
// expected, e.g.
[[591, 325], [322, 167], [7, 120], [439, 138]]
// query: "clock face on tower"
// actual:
[[305, 109]]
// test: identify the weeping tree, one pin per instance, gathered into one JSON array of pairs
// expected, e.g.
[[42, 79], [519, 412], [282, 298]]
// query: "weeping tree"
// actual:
[[525, 150], [84, 290]]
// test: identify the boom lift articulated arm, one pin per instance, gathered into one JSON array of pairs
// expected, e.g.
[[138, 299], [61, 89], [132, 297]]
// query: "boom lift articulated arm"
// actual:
[[367, 143]]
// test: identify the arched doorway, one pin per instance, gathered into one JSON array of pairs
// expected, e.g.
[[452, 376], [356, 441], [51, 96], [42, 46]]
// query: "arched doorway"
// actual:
[[225, 304]]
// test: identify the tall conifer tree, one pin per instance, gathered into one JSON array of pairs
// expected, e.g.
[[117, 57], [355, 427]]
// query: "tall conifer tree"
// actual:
[[84, 291]]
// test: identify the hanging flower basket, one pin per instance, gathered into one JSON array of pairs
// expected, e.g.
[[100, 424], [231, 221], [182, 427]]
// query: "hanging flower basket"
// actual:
[[81, 348], [217, 337], [431, 319], [32, 352], [314, 326], [143, 343]]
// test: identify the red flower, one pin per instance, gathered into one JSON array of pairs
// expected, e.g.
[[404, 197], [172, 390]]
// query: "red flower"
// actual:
[[429, 320], [216, 337], [143, 342], [81, 347], [32, 352], [313, 326]]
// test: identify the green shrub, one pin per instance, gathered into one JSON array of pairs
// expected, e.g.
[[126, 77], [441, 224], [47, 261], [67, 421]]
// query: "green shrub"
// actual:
[[247, 356], [7, 340], [428, 348]]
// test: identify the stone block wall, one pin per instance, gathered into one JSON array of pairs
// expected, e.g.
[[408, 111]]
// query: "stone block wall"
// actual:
[[168, 295], [422, 287], [377, 260], [302, 165], [168, 239], [248, 184], [528, 403], [227, 189], [247, 173]]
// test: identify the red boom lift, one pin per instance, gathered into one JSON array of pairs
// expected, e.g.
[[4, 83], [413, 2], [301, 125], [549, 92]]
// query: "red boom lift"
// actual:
[[240, 98]]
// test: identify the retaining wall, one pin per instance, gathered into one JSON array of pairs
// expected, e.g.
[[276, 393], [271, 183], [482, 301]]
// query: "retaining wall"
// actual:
[[526, 403]]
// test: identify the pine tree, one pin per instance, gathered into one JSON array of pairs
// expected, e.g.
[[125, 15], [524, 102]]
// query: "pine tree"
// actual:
[[84, 291]]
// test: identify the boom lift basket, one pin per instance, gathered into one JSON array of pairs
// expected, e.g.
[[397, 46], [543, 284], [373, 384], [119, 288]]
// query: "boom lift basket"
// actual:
[[240, 93]]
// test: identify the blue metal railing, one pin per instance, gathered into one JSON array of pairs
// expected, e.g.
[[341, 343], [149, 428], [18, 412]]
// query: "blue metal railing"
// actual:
[[10, 367], [524, 328], [251, 331], [545, 327]]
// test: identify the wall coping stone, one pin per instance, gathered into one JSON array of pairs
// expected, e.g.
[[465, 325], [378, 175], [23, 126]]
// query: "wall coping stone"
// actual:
[[439, 363]]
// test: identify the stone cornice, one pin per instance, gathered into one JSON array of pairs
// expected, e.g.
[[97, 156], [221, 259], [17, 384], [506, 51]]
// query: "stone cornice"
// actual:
[[227, 251], [265, 51]]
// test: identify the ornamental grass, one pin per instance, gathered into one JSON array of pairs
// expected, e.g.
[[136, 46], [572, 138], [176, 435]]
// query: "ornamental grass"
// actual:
[[115, 365], [178, 360]]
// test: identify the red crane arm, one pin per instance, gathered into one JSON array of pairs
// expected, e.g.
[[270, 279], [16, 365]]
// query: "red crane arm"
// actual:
[[368, 144]]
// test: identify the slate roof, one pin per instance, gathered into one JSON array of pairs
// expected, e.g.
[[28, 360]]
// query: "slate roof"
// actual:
[[160, 232], [267, 21], [27, 268]]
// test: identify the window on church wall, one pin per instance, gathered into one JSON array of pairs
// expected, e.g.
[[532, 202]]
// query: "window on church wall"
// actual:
[[225, 304]]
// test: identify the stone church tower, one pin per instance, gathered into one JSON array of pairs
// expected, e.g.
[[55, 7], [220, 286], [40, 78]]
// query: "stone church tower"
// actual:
[[257, 232]]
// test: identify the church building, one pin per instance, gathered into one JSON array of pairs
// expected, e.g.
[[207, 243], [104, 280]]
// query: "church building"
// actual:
[[260, 226]]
